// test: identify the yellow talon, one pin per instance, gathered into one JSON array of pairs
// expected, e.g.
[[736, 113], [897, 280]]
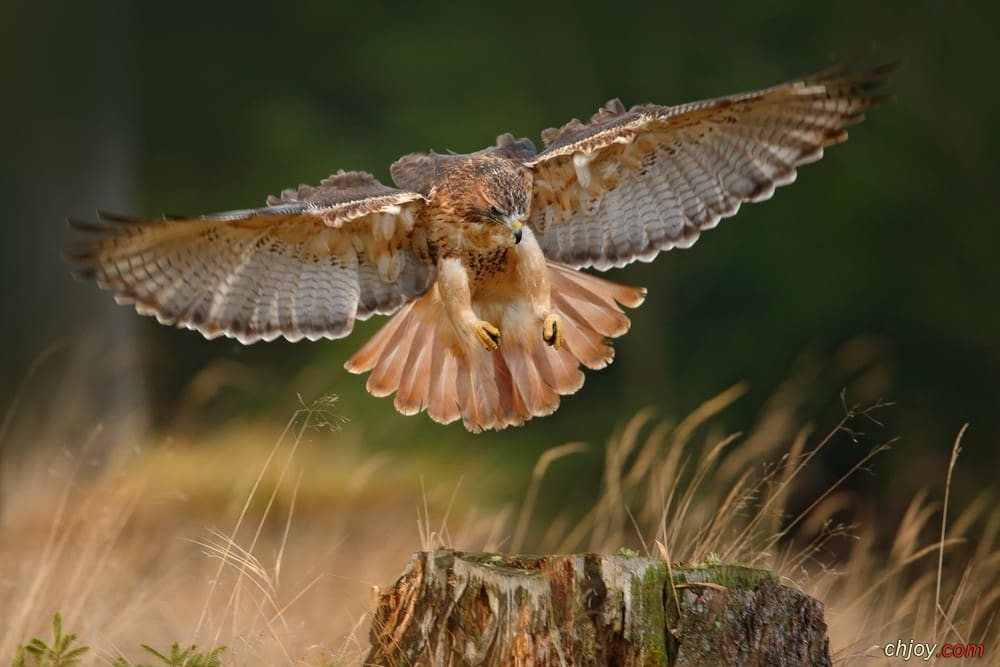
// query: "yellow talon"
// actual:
[[487, 335], [552, 331]]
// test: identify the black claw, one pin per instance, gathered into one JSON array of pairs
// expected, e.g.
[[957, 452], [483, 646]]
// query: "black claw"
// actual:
[[551, 340]]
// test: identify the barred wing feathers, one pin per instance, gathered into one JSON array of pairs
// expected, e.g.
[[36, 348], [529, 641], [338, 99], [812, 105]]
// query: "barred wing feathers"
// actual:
[[305, 266], [632, 183]]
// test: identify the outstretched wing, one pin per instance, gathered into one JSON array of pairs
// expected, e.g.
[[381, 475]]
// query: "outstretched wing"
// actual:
[[632, 183], [305, 266]]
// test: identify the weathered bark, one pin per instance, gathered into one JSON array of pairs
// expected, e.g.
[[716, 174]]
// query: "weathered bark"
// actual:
[[455, 608]]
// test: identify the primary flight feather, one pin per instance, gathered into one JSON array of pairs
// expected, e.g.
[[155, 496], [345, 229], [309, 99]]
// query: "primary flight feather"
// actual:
[[478, 255]]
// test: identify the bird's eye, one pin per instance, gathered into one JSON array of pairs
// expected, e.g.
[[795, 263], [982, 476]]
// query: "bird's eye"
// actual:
[[495, 212]]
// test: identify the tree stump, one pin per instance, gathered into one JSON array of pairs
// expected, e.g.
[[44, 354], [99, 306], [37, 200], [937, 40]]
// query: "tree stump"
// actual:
[[456, 608]]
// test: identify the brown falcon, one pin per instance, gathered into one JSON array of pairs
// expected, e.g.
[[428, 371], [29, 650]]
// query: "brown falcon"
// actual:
[[478, 256]]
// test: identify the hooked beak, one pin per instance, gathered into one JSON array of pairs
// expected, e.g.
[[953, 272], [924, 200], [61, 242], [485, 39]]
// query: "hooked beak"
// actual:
[[516, 226]]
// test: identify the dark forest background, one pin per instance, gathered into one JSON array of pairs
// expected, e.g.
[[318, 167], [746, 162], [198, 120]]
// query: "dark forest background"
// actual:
[[876, 273]]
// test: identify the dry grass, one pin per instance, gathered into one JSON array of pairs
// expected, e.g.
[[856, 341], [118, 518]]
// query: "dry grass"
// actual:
[[269, 549], [729, 499], [262, 541]]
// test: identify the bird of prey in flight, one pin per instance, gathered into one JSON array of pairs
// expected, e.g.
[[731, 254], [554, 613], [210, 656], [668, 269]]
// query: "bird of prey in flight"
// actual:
[[478, 257]]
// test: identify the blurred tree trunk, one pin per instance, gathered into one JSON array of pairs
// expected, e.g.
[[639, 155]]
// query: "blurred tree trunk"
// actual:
[[68, 75], [455, 608]]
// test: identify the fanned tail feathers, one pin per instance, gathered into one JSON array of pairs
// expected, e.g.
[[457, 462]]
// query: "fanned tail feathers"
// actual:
[[418, 356]]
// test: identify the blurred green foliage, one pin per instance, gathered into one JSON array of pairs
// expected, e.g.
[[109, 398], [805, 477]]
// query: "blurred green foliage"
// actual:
[[876, 270]]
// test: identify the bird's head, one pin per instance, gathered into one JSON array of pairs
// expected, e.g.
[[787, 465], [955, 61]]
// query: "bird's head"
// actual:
[[504, 196]]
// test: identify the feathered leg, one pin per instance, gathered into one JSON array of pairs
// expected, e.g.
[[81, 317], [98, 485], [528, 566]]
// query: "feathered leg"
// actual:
[[420, 355]]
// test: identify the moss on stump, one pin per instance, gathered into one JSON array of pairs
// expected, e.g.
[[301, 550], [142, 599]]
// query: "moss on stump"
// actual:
[[457, 608]]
